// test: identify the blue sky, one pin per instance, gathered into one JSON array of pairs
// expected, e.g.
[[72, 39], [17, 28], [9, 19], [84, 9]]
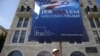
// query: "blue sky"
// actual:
[[7, 11]]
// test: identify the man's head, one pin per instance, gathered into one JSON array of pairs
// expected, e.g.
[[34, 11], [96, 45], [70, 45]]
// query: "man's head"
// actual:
[[55, 52]]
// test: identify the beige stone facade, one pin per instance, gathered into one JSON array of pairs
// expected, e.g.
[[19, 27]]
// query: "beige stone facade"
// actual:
[[66, 49]]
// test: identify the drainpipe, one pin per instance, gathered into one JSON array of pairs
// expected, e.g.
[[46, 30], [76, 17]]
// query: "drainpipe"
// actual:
[[60, 47]]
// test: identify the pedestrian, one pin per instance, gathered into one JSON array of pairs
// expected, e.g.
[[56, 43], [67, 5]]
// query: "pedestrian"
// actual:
[[55, 52]]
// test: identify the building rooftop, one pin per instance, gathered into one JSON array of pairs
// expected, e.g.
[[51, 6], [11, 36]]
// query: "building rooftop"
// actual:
[[1, 27]]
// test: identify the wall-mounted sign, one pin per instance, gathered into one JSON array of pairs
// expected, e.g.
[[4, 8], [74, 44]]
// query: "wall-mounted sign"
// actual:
[[57, 21], [91, 50]]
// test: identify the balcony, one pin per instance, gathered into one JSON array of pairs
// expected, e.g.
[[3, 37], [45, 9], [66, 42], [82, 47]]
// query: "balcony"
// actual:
[[24, 13], [93, 14]]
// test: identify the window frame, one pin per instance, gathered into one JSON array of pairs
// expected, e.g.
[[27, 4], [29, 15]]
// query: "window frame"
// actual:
[[17, 33], [22, 36]]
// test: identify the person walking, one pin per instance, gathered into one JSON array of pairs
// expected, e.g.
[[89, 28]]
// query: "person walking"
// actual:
[[55, 52]]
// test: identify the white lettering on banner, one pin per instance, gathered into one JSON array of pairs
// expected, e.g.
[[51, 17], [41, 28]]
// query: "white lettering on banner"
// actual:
[[60, 12], [71, 34], [61, 16], [38, 33], [46, 11]]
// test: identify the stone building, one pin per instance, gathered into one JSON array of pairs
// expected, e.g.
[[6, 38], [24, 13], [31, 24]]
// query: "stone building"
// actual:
[[17, 43]]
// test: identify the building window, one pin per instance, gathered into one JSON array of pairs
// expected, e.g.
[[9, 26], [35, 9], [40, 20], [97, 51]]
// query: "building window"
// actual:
[[25, 8], [26, 22], [91, 50], [15, 53], [96, 36], [95, 8], [89, 2], [28, 8], [15, 38], [97, 22], [92, 23], [77, 53], [88, 8], [44, 53], [22, 37], [20, 22], [22, 8]]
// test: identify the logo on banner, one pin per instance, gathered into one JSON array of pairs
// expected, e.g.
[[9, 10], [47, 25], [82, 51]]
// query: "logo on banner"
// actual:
[[41, 31]]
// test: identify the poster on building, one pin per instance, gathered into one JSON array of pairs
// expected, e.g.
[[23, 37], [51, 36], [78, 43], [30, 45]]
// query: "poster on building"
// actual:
[[57, 20], [98, 3]]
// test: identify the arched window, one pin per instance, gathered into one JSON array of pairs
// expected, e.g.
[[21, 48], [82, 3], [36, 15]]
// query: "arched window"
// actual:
[[88, 8], [77, 53], [28, 8], [44, 53], [22, 8], [15, 53], [95, 8]]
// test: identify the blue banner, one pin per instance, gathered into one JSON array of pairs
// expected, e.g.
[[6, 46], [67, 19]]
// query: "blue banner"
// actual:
[[98, 3], [57, 21]]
